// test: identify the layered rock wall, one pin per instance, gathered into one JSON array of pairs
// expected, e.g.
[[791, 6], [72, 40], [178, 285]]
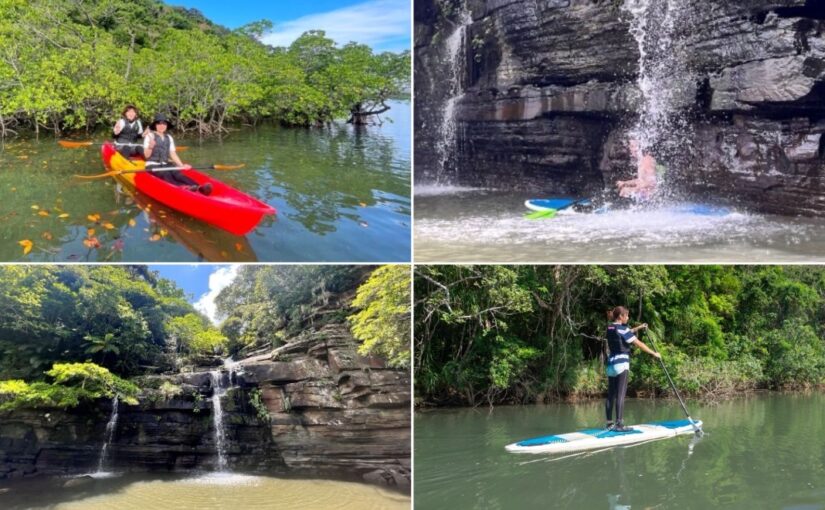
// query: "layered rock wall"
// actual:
[[326, 412], [550, 91]]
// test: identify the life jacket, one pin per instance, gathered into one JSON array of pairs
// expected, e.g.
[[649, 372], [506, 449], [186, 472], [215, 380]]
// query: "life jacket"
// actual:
[[130, 132], [618, 349], [160, 154]]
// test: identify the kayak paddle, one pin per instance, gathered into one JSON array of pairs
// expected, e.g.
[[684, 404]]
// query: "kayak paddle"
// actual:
[[66, 144], [162, 169]]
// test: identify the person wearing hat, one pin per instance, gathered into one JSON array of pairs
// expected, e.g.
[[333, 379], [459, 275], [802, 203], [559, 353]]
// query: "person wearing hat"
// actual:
[[159, 151], [127, 130]]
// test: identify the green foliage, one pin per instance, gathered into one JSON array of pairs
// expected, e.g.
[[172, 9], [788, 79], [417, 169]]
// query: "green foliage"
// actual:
[[256, 401], [169, 390], [383, 322], [194, 335], [525, 333], [265, 304], [72, 65], [114, 316], [72, 384]]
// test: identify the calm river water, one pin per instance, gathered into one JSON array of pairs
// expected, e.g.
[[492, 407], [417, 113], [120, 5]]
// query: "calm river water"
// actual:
[[342, 194], [765, 452]]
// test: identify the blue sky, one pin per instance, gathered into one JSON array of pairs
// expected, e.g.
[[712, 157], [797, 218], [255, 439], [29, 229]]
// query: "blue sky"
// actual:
[[382, 24], [202, 283]]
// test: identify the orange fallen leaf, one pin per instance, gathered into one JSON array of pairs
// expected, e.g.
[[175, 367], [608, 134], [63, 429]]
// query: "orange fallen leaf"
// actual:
[[93, 217], [164, 232], [91, 242], [90, 232], [43, 213], [132, 222], [47, 236], [108, 226], [64, 215], [239, 247], [154, 238], [27, 246]]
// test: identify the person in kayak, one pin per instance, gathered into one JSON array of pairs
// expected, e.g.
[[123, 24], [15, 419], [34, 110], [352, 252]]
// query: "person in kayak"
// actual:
[[159, 151], [644, 185], [127, 130], [620, 338]]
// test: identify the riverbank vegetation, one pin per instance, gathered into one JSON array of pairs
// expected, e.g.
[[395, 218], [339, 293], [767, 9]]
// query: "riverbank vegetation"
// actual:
[[525, 334], [68, 65], [70, 334]]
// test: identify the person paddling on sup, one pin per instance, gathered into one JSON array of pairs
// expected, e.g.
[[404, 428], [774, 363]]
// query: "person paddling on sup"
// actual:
[[159, 151], [644, 185], [619, 340], [127, 130]]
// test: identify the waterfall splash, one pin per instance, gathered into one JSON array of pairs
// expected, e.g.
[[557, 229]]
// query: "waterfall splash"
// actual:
[[110, 433], [455, 49], [666, 82]]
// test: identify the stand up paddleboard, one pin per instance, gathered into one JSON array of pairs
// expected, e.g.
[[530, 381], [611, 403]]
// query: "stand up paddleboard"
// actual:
[[591, 439], [555, 204]]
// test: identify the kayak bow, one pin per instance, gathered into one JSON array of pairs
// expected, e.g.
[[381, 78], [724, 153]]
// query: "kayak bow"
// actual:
[[226, 207]]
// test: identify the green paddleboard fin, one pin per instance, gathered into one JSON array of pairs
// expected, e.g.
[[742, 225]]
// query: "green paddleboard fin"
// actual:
[[541, 215]]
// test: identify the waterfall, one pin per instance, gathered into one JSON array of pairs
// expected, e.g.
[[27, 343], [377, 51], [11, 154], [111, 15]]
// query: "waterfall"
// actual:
[[110, 433], [218, 391], [665, 81], [455, 49]]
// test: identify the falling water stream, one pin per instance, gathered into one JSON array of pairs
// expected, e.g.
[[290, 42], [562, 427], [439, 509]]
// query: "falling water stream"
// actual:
[[455, 50], [110, 433], [218, 391]]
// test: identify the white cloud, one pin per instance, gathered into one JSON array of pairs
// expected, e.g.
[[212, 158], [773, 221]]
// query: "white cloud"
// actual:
[[377, 23], [218, 280]]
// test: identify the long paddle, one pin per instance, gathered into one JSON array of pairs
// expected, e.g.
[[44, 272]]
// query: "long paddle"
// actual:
[[66, 144], [161, 169], [696, 428]]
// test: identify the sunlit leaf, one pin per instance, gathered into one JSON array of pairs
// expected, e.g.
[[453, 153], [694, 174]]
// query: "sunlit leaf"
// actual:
[[90, 232], [27, 246], [35, 207], [93, 217], [108, 226], [132, 222], [64, 215], [43, 213]]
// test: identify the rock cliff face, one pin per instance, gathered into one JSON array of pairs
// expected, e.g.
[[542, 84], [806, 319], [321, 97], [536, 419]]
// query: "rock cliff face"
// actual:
[[550, 92], [326, 411]]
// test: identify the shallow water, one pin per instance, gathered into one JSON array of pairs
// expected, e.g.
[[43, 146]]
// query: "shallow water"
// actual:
[[207, 492], [464, 225], [758, 452], [342, 194]]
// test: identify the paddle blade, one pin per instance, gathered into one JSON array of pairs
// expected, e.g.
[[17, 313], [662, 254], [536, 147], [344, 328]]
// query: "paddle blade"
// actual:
[[182, 148], [98, 176], [541, 215], [228, 167], [73, 145]]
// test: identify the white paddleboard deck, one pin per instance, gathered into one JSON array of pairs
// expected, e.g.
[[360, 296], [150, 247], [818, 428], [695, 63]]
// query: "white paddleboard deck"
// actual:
[[591, 439]]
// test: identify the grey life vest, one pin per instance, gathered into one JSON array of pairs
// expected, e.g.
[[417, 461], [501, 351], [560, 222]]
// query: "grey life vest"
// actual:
[[160, 154], [130, 132]]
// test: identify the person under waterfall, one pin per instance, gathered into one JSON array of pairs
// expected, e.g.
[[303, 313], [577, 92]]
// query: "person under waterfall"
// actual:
[[620, 338], [646, 182]]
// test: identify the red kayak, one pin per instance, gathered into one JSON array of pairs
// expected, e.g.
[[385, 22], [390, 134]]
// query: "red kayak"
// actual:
[[226, 207]]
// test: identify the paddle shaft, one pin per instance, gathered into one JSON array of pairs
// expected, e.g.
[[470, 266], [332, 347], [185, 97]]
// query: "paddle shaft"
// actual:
[[672, 385]]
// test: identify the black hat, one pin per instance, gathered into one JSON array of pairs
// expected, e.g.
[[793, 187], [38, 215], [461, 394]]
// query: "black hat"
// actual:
[[160, 118]]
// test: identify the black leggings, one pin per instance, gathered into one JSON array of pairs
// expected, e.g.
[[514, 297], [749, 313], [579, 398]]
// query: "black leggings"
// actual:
[[175, 177], [129, 150], [616, 390]]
